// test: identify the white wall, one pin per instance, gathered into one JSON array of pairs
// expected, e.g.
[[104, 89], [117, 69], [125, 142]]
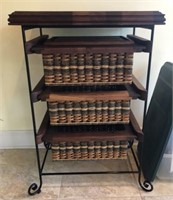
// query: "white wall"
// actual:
[[15, 115]]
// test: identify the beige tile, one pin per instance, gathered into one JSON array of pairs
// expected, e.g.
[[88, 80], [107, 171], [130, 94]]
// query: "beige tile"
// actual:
[[15, 186], [52, 181], [99, 191], [94, 198], [10, 190], [116, 165], [19, 191], [161, 188], [18, 169], [99, 180], [158, 198], [47, 193], [2, 157]]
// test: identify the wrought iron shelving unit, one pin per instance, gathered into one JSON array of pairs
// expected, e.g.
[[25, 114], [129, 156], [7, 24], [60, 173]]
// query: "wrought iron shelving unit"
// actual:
[[48, 134]]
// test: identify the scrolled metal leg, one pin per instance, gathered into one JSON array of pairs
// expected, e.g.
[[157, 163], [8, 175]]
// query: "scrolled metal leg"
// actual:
[[34, 189], [145, 185]]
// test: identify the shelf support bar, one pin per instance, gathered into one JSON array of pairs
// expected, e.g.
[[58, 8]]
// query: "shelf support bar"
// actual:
[[41, 31], [34, 188], [134, 30], [48, 147], [148, 72]]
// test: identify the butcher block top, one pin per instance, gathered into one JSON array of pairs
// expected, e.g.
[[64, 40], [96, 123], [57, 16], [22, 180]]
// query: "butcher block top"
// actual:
[[86, 19]]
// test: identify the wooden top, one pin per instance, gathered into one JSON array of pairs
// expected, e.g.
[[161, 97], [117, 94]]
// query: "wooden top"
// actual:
[[86, 19]]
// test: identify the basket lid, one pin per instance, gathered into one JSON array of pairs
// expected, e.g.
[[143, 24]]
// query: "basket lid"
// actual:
[[52, 95], [81, 41]]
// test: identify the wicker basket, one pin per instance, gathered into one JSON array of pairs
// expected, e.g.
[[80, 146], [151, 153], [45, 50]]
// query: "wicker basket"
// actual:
[[89, 150], [62, 69], [89, 112]]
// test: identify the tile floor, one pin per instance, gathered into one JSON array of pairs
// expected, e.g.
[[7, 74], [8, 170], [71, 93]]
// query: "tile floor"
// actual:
[[18, 169]]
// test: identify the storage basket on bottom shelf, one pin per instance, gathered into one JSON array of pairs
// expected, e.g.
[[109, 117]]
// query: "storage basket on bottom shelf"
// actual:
[[89, 150], [89, 111]]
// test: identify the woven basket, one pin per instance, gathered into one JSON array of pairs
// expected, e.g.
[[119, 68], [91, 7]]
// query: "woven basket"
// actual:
[[89, 150], [62, 69], [73, 112]]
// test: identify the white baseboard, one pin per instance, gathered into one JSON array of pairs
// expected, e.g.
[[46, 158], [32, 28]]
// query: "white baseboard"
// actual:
[[16, 139]]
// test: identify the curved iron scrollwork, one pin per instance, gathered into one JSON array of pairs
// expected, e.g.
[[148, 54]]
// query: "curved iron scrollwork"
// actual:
[[146, 185], [34, 189]]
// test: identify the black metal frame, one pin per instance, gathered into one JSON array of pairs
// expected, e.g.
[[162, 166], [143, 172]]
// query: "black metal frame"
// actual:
[[34, 188]]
